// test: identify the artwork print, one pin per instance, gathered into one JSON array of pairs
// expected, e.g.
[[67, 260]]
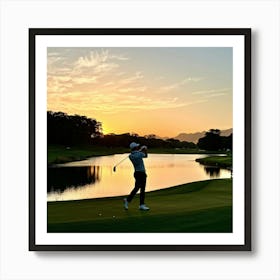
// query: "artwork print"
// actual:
[[140, 139]]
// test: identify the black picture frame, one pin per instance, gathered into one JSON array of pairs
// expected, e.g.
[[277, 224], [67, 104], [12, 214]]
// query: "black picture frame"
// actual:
[[245, 32]]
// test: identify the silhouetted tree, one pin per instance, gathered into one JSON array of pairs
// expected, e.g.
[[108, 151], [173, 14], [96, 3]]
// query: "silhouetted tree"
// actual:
[[226, 142], [71, 130], [173, 143], [212, 141]]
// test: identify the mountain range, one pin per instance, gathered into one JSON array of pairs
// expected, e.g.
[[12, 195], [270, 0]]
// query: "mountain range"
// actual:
[[193, 137]]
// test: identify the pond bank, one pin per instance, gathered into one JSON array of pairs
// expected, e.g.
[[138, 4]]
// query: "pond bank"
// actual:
[[62, 154], [216, 161]]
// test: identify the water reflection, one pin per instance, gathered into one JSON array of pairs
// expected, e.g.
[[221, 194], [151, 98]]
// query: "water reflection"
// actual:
[[61, 178], [214, 172], [94, 177]]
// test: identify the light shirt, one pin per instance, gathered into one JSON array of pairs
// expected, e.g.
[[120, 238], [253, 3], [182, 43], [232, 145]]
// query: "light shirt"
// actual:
[[136, 158]]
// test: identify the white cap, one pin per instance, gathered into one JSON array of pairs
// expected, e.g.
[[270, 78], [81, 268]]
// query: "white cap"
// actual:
[[133, 145]]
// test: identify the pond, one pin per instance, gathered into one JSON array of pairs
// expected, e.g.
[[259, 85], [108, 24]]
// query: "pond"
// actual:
[[94, 177]]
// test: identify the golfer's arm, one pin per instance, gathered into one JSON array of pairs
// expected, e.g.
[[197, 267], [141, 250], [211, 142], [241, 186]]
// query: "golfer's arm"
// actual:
[[145, 153]]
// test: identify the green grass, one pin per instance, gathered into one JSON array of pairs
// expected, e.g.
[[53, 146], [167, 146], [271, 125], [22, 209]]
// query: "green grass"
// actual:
[[204, 206], [60, 154], [225, 161]]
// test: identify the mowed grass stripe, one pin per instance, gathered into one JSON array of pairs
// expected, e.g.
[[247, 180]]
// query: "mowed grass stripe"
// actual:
[[204, 206]]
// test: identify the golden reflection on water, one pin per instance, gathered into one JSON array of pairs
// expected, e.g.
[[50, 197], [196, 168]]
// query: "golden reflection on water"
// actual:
[[163, 171]]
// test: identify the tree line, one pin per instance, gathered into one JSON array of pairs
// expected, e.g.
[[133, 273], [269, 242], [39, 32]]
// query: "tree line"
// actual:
[[123, 140], [75, 130], [64, 129]]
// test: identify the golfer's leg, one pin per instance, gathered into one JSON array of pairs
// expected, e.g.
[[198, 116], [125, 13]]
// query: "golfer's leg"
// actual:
[[142, 195], [142, 190], [136, 188], [133, 193]]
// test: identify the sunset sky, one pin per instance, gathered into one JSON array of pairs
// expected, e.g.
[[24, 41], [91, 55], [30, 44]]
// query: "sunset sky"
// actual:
[[162, 91]]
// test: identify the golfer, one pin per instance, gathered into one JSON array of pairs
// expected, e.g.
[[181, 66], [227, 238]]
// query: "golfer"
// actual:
[[136, 157]]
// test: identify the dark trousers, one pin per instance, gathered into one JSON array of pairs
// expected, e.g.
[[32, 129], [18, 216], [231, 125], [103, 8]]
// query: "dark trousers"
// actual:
[[140, 183]]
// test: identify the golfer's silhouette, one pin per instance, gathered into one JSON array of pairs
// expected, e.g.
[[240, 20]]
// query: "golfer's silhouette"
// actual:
[[136, 156]]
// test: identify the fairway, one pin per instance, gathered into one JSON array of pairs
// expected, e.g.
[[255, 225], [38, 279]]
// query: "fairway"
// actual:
[[204, 206]]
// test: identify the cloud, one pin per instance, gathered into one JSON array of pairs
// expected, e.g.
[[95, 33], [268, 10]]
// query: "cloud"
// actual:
[[132, 89], [181, 83], [116, 102], [93, 59], [58, 63], [66, 73], [114, 89], [59, 84], [119, 57], [99, 58], [96, 63], [132, 103], [51, 54], [105, 67], [84, 80], [170, 87], [137, 76], [212, 92]]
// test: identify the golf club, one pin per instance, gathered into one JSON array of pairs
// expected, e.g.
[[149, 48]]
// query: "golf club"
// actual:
[[114, 168]]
